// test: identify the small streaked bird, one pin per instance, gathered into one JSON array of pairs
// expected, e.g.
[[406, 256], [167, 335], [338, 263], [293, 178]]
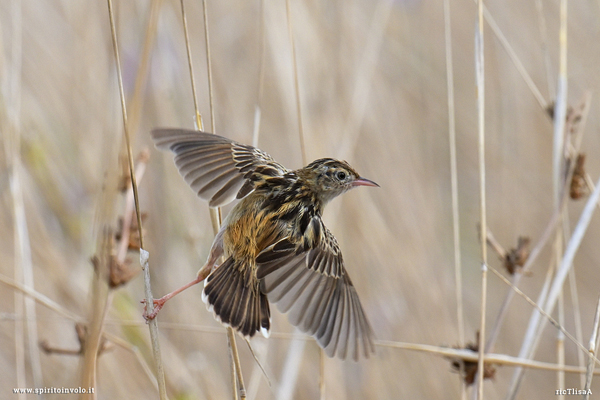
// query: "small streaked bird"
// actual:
[[274, 244]]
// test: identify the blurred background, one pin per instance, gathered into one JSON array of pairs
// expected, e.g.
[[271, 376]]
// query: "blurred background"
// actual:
[[373, 90]]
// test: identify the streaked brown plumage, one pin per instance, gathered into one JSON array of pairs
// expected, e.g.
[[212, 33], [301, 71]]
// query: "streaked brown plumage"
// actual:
[[274, 242]]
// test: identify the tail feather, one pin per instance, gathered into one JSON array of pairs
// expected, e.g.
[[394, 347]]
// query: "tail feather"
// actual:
[[236, 300]]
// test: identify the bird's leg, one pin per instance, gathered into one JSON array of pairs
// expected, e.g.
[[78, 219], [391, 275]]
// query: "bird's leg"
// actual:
[[215, 252], [159, 303]]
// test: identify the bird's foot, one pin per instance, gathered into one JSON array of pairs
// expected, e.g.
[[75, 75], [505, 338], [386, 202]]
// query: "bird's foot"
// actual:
[[158, 305]]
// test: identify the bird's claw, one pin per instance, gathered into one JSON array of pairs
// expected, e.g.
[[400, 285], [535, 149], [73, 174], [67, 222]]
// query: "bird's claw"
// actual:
[[158, 305]]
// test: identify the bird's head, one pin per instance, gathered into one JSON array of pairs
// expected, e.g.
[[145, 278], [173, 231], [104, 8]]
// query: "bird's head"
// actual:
[[330, 178]]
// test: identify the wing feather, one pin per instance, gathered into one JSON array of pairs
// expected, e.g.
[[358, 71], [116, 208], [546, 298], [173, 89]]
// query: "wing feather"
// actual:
[[314, 287], [216, 168]]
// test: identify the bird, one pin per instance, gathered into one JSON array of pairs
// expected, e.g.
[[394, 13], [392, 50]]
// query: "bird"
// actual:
[[273, 243]]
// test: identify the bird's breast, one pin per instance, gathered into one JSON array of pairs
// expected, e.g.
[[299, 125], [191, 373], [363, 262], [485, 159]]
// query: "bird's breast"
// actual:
[[251, 227]]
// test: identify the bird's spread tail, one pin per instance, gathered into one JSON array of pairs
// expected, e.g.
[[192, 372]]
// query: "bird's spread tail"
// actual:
[[236, 300]]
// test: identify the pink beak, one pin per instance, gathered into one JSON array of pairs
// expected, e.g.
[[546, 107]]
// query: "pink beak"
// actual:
[[364, 182]]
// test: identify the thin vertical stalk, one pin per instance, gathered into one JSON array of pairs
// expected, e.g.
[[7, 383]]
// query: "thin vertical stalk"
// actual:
[[514, 58], [234, 381], [210, 78], [454, 187], [480, 72], [574, 300], [560, 112], [292, 363], [322, 392], [528, 347], [539, 5], [594, 342], [296, 80], [199, 123], [560, 345], [153, 324], [215, 213], [560, 107], [454, 174], [261, 72], [142, 73], [22, 259], [576, 317]]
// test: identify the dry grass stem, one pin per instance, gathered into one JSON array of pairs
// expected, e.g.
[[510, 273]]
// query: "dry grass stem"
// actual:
[[490, 358], [514, 58], [454, 188], [40, 298], [594, 342], [561, 273], [22, 250], [288, 8], [153, 324], [480, 76], [556, 324], [215, 214], [539, 5], [261, 72], [141, 76], [535, 252], [198, 119]]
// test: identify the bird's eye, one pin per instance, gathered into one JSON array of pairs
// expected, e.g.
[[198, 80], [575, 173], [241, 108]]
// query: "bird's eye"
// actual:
[[341, 175]]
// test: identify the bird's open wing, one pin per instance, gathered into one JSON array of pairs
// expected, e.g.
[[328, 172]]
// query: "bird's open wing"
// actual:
[[309, 280], [216, 168]]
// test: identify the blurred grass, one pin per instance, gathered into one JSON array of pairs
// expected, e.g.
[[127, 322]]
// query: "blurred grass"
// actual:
[[373, 90]]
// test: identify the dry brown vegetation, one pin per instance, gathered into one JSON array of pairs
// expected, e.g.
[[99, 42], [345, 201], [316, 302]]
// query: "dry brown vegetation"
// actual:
[[372, 78]]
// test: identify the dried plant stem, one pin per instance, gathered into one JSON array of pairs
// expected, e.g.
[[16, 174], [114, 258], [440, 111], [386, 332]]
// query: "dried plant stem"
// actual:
[[594, 342], [215, 214], [539, 5], [490, 358], [454, 177], [199, 123], [560, 337], [322, 386], [517, 278], [466, 355], [293, 359], [153, 324], [557, 324], [209, 72], [454, 187], [560, 344], [296, 80], [480, 73], [261, 72], [142, 72], [577, 318], [138, 355], [40, 298], [57, 308], [560, 112], [24, 271], [23, 268], [234, 381], [550, 228], [100, 299], [574, 299], [528, 348], [514, 58], [236, 365]]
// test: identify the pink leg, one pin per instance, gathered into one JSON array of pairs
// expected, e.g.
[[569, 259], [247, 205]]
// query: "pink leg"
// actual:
[[159, 303], [215, 252]]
